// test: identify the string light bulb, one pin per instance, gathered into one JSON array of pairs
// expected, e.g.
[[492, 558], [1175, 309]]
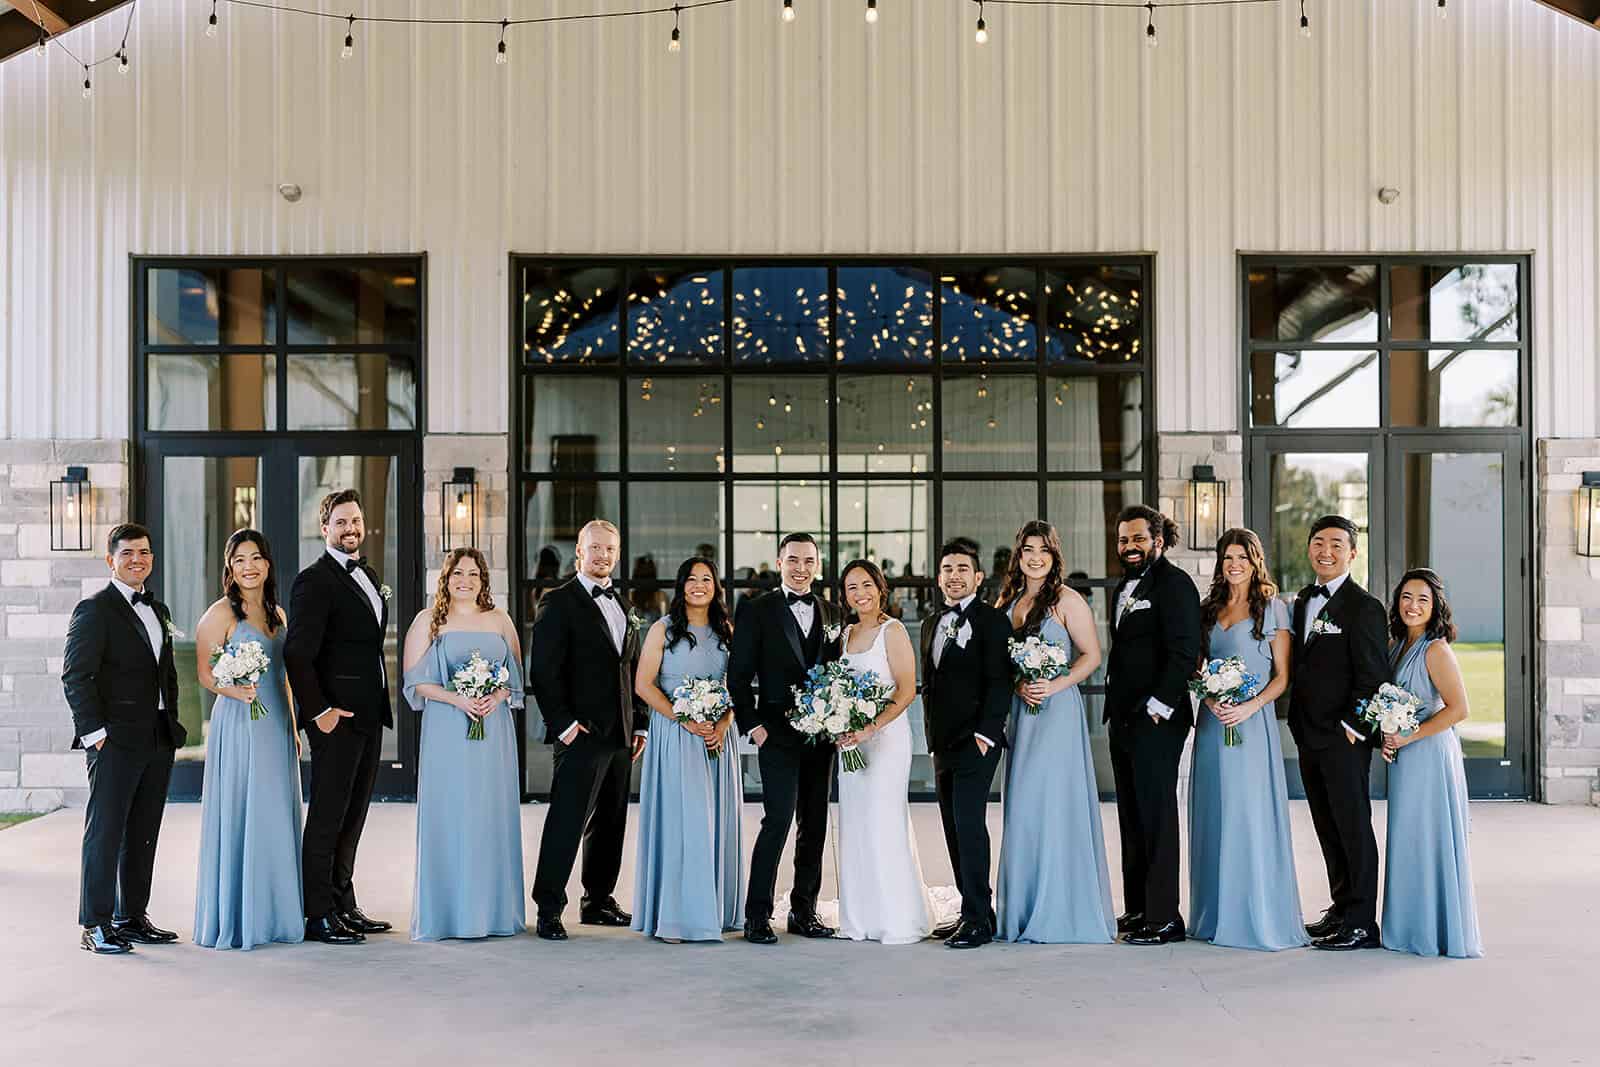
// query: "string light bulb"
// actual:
[[122, 60], [1150, 40], [872, 12], [500, 57], [1441, 10], [788, 10], [349, 48], [675, 42], [1305, 23], [88, 89], [211, 23], [44, 43], [981, 35]]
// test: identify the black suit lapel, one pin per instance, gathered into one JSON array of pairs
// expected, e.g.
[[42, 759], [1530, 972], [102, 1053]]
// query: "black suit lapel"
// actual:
[[1138, 591], [1333, 609], [791, 628], [345, 579], [124, 611], [590, 610]]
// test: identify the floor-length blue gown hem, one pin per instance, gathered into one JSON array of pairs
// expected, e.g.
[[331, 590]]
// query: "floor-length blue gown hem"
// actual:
[[469, 881]]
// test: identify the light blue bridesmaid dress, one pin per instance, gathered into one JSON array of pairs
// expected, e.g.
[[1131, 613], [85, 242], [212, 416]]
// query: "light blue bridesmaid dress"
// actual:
[[248, 890], [469, 803], [689, 873], [1428, 904], [1242, 888], [1054, 885]]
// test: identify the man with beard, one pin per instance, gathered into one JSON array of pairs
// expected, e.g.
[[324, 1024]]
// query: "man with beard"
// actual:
[[338, 614], [1155, 646]]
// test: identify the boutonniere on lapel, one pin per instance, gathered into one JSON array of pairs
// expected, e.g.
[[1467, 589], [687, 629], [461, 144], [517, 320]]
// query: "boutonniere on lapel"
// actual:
[[831, 632], [1324, 625], [1135, 605], [636, 622], [959, 634], [173, 633], [386, 593]]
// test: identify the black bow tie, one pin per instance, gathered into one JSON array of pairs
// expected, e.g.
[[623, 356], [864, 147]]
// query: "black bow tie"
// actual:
[[601, 591], [809, 600], [142, 597], [354, 562], [953, 609], [1318, 590]]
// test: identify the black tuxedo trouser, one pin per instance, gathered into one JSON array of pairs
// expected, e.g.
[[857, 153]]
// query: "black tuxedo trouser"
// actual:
[[1336, 781], [344, 767], [1144, 765], [795, 783], [127, 795], [588, 805], [962, 781]]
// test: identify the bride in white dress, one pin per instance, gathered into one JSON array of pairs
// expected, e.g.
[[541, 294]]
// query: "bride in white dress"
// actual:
[[881, 892]]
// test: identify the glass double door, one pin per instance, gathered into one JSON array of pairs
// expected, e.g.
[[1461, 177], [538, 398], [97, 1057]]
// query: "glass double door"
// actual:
[[198, 492], [1451, 502]]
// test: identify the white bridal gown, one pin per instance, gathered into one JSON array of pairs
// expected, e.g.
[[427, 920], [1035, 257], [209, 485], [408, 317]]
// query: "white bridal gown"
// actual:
[[881, 893]]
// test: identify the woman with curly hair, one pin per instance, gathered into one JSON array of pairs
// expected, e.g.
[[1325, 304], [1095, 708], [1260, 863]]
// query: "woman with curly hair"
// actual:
[[1428, 904], [469, 816]]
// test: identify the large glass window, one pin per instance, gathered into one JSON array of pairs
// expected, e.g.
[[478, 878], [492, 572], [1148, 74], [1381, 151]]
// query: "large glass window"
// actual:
[[709, 407]]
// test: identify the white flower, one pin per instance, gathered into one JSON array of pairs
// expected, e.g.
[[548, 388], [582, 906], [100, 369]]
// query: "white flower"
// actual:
[[1033, 659], [831, 633], [385, 592], [838, 723], [867, 708], [819, 705], [172, 631]]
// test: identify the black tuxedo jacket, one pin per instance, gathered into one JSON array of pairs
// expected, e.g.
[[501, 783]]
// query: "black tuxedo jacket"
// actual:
[[114, 681], [577, 673], [333, 651], [1333, 671], [1155, 650], [969, 692], [769, 658]]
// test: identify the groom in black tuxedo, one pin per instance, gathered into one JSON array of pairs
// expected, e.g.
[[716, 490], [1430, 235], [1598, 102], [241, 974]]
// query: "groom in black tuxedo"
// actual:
[[333, 653], [1155, 650], [1341, 658], [966, 695], [122, 685], [777, 638], [581, 663]]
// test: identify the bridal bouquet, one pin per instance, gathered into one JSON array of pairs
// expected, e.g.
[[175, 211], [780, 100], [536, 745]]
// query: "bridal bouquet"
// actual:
[[1037, 660], [241, 663], [1226, 681], [702, 701], [474, 679], [834, 701], [1391, 710]]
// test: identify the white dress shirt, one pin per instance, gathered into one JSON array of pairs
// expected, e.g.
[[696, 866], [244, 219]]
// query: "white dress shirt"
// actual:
[[617, 621], [152, 629], [804, 614], [373, 596], [1154, 706], [1314, 608], [941, 638]]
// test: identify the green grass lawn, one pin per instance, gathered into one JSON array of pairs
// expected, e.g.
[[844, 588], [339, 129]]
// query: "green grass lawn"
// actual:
[[12, 818], [1483, 668]]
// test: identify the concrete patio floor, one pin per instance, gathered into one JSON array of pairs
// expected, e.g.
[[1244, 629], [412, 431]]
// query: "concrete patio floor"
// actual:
[[611, 997]]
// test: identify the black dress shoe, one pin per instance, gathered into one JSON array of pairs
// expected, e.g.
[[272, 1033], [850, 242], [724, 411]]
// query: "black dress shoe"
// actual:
[[603, 913], [550, 930], [1329, 924], [330, 931], [759, 932], [1348, 939], [945, 932], [355, 920], [1130, 922], [140, 931], [969, 935], [1164, 934], [103, 941], [809, 926]]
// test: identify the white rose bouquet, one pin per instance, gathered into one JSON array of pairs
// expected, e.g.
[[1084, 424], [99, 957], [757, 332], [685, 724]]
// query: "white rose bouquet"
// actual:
[[703, 701], [1226, 681], [241, 663], [1036, 660], [834, 701], [474, 679], [1392, 710]]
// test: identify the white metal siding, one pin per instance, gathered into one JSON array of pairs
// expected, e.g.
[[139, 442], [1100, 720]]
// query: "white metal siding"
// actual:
[[1064, 134]]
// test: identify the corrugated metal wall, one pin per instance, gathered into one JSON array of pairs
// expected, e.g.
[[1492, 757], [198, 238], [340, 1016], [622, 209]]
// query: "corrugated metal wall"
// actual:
[[1063, 134]]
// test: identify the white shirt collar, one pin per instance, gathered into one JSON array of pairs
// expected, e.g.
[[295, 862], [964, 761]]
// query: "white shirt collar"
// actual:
[[965, 602], [342, 558], [787, 588], [1334, 584], [589, 584], [125, 589]]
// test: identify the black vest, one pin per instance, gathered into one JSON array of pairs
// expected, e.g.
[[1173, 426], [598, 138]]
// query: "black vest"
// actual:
[[812, 642]]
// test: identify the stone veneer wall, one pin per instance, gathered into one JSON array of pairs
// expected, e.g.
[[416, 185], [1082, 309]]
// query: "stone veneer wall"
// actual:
[[487, 455], [1567, 648], [38, 589], [1180, 453]]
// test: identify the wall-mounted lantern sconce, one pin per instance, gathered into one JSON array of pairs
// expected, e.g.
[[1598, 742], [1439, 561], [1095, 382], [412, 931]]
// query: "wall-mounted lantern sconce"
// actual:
[[1206, 496], [1588, 518], [71, 509], [458, 507]]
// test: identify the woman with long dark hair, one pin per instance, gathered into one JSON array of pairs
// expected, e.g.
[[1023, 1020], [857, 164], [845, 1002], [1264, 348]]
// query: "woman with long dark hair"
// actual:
[[689, 874], [1429, 907], [248, 890], [1242, 889], [1054, 884], [469, 801]]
